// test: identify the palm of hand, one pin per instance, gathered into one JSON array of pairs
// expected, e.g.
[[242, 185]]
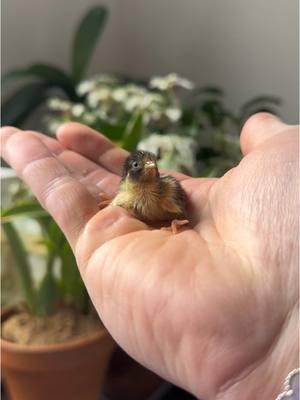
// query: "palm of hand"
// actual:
[[193, 306]]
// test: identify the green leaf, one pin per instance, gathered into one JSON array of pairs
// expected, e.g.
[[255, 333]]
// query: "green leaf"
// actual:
[[214, 111], [29, 210], [113, 132], [86, 38], [49, 244], [47, 295], [21, 264], [55, 234], [22, 103], [259, 102], [133, 132], [24, 209], [71, 281], [49, 74]]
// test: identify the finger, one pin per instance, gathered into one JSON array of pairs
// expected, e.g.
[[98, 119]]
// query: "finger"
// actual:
[[92, 175], [98, 148], [66, 199], [259, 128], [6, 132], [93, 145]]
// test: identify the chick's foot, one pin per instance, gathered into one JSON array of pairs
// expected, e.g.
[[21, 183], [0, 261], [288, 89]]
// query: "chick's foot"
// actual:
[[175, 225]]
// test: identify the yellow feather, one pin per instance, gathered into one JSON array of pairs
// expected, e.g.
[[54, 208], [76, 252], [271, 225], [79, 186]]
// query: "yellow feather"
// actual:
[[146, 201]]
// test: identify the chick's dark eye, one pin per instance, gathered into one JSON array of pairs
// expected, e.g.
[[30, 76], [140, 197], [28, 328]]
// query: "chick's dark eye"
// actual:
[[135, 164]]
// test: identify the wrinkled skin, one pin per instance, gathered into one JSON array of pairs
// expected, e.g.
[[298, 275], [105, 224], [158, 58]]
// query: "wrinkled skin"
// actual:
[[213, 308]]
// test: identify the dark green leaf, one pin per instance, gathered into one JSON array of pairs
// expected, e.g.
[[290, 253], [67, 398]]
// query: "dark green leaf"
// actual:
[[260, 101], [188, 116], [21, 264], [113, 132], [205, 153], [49, 74], [47, 295], [133, 132], [55, 233], [214, 111], [71, 281], [25, 209], [22, 103], [270, 110], [86, 38]]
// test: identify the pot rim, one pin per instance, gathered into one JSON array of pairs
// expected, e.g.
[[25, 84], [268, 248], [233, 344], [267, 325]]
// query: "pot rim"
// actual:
[[76, 343]]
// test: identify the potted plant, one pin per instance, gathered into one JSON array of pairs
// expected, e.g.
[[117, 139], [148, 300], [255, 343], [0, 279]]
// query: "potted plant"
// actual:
[[53, 344]]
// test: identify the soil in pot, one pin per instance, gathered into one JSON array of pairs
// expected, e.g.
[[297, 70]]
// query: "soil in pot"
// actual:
[[73, 369], [62, 326]]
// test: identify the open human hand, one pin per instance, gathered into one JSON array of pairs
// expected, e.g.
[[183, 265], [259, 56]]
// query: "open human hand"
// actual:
[[213, 308]]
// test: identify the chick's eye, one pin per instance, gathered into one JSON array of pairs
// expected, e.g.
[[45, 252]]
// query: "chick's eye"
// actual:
[[135, 164]]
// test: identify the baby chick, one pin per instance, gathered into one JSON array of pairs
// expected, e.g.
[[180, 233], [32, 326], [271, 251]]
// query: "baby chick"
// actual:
[[149, 196]]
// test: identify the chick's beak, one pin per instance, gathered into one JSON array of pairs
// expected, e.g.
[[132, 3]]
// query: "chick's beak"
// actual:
[[150, 167], [150, 164]]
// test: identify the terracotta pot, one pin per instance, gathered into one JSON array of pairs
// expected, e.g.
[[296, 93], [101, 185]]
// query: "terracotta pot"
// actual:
[[74, 370]]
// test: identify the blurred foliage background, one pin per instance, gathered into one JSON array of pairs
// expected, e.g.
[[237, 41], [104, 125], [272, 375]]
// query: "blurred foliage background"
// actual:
[[190, 128], [169, 115]]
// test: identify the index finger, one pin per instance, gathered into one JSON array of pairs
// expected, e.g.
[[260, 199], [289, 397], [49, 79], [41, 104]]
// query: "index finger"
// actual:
[[96, 147], [64, 197]]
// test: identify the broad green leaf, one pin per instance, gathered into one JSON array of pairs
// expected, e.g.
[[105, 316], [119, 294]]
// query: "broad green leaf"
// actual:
[[133, 132], [113, 132], [24, 209], [47, 295], [55, 233], [49, 74], [86, 38], [22, 265], [22, 103]]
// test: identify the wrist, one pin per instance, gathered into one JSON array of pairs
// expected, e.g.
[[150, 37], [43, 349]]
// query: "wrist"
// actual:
[[265, 379]]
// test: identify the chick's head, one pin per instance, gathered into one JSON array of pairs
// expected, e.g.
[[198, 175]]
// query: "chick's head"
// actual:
[[141, 166]]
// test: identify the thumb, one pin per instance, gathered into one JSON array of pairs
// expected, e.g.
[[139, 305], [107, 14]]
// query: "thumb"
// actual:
[[259, 128]]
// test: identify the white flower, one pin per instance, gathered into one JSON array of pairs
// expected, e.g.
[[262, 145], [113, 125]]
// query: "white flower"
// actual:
[[101, 94], [85, 87], [56, 104], [185, 83], [89, 118], [177, 152], [77, 110], [159, 83], [53, 125], [119, 94], [132, 103], [170, 81], [173, 114]]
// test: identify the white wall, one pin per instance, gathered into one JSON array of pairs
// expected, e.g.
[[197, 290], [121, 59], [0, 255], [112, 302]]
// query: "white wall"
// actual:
[[247, 47]]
